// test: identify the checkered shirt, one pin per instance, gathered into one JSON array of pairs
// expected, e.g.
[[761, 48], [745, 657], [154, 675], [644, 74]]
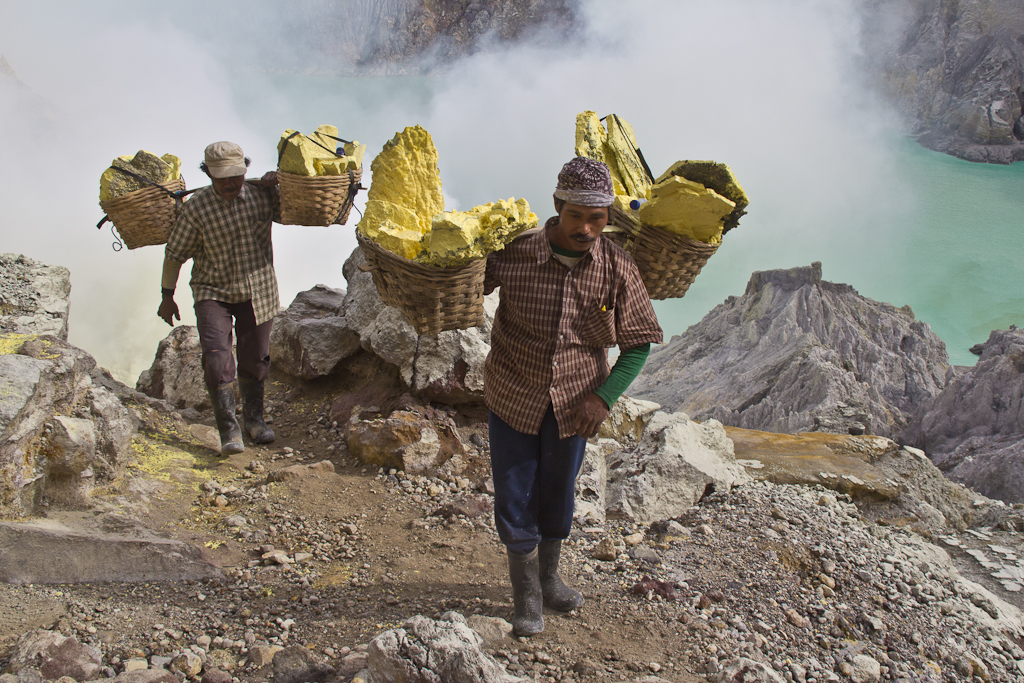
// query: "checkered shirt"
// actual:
[[554, 326], [229, 244]]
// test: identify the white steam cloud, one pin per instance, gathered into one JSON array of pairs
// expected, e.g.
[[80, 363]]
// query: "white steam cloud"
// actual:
[[769, 88]]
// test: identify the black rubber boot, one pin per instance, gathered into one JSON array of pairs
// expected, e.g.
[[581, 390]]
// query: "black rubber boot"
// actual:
[[223, 399], [556, 594], [252, 411], [528, 617]]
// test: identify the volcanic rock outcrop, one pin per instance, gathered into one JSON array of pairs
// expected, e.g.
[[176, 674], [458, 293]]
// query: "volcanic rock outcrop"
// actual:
[[34, 297], [974, 429], [796, 353], [954, 71], [324, 327], [62, 427]]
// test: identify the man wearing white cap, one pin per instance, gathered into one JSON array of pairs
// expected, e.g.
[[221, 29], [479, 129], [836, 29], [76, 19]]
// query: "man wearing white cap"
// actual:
[[225, 230]]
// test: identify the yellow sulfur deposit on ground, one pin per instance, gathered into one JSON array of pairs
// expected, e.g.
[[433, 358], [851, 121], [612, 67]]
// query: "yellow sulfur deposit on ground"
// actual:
[[315, 155], [686, 208], [458, 237], [616, 147], [163, 169], [405, 209]]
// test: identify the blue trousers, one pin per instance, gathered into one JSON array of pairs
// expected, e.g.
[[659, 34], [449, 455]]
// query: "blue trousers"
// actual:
[[534, 482]]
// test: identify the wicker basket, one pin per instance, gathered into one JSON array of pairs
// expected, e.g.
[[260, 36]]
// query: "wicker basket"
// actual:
[[145, 216], [317, 200], [668, 263], [432, 299]]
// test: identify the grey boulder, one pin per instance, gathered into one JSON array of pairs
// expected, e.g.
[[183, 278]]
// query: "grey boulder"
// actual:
[[312, 335], [176, 375], [427, 651]]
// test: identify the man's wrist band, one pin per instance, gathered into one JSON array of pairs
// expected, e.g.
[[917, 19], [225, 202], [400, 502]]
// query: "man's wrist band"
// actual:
[[167, 291]]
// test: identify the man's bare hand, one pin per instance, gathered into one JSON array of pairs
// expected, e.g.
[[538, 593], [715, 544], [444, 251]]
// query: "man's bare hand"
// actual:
[[588, 415], [168, 310], [268, 180]]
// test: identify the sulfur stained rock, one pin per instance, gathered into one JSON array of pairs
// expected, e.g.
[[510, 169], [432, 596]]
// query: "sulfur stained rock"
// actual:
[[316, 155], [393, 227], [687, 208], [458, 237], [715, 176], [163, 169], [405, 173], [616, 147]]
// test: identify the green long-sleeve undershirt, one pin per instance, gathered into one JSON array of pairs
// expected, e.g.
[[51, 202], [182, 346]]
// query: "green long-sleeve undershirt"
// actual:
[[628, 365]]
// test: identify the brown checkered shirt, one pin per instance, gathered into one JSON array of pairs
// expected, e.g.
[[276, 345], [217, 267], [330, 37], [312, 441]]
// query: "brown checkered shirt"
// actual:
[[229, 244], [554, 326]]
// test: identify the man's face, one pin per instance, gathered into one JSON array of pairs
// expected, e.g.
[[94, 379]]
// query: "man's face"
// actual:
[[229, 187], [578, 226]]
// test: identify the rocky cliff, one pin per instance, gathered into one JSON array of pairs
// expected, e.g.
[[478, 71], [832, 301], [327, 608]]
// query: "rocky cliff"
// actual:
[[955, 71], [974, 428], [796, 353], [407, 36]]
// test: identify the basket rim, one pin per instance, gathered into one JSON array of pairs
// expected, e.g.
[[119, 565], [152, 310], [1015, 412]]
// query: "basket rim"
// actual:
[[408, 263]]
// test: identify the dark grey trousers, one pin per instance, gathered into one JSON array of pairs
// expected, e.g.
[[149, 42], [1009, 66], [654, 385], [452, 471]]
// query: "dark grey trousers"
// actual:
[[213, 319]]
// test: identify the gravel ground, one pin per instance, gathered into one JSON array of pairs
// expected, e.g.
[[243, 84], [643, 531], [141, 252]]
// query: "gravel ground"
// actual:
[[789, 576]]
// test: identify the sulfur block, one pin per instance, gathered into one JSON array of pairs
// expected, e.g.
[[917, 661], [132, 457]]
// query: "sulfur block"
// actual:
[[356, 151], [687, 208], [616, 146], [623, 147], [299, 153], [590, 135], [405, 173], [718, 177], [393, 227], [146, 164], [175, 164], [335, 166], [458, 237]]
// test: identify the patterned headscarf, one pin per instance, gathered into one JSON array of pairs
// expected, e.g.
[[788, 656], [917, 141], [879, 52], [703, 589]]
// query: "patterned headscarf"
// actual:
[[585, 182]]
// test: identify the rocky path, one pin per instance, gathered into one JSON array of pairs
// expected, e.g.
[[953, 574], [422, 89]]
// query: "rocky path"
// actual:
[[322, 552]]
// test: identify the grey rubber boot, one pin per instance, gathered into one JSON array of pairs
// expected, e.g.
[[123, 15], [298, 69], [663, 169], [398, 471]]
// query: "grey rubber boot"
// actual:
[[223, 399], [528, 616], [252, 411], [556, 594]]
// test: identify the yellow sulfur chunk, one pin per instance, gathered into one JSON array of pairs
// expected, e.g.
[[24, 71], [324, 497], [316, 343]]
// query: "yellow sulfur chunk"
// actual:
[[616, 147], [458, 237], [590, 135], [393, 227], [405, 173], [175, 164], [623, 147], [113, 183], [335, 166], [718, 177], [299, 153], [686, 208], [356, 151]]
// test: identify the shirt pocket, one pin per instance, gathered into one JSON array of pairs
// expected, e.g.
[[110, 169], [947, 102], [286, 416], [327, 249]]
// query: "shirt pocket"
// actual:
[[597, 327]]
